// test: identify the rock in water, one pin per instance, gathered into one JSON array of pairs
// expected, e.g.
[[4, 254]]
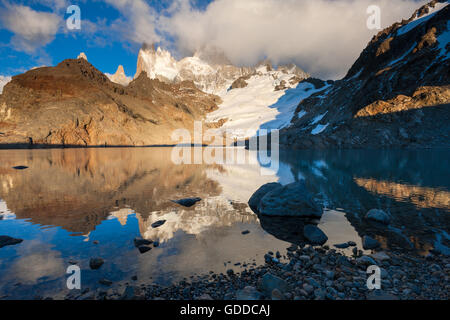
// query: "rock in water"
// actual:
[[133, 293], [143, 248], [292, 200], [260, 193], [378, 216], [96, 263], [314, 235], [370, 243], [248, 293], [140, 241], [20, 167], [8, 241], [188, 202], [158, 224]]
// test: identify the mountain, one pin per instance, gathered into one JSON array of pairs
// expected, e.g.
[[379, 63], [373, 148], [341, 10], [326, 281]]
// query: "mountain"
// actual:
[[119, 77], [209, 69], [208, 75], [266, 99], [396, 94], [75, 104]]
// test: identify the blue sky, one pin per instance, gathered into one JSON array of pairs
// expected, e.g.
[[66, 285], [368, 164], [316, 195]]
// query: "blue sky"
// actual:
[[105, 49], [323, 37]]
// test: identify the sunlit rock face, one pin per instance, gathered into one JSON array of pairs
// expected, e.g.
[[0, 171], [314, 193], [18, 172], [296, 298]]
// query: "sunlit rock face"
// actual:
[[422, 197], [120, 77]]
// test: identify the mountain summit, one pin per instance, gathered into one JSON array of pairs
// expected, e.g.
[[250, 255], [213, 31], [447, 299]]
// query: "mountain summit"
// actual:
[[208, 68]]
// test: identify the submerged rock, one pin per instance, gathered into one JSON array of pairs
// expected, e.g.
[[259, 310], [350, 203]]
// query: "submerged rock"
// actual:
[[96, 263], [140, 241], [248, 293], [144, 248], [133, 293], [370, 243], [260, 193], [378, 216], [8, 241], [188, 202], [292, 200], [314, 235]]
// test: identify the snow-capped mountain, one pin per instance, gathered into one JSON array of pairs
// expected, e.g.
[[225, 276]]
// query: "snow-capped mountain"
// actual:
[[253, 97], [208, 76], [119, 77], [266, 99], [208, 69]]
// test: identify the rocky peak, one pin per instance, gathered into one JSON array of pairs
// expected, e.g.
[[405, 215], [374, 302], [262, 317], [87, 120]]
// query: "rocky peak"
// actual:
[[120, 77], [82, 55]]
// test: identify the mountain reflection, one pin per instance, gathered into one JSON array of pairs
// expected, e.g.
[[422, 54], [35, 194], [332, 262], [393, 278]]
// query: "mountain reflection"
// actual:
[[77, 189]]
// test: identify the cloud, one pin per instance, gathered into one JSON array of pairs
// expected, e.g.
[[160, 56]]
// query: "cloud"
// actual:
[[322, 36], [32, 29], [138, 23]]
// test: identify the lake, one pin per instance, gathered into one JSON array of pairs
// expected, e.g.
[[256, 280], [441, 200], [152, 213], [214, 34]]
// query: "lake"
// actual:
[[71, 205]]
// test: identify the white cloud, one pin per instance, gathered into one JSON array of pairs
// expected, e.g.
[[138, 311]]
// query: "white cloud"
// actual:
[[140, 21], [322, 36], [32, 29]]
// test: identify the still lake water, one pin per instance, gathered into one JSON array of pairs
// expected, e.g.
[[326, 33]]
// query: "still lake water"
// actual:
[[75, 204]]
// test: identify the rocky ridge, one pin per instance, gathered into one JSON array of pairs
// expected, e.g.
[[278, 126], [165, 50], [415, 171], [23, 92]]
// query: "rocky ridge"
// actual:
[[75, 104], [396, 94]]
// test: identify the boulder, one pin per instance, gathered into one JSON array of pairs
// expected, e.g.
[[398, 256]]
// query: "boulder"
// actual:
[[378, 216], [369, 243], [260, 193], [292, 200], [314, 235]]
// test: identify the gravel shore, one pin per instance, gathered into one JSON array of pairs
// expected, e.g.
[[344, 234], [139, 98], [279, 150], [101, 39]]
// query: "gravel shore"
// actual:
[[308, 273]]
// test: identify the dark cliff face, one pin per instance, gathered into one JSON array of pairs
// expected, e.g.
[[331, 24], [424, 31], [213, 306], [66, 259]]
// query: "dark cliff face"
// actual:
[[75, 104], [396, 94]]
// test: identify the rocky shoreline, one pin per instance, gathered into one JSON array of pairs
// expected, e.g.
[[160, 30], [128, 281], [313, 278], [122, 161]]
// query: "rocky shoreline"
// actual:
[[303, 273]]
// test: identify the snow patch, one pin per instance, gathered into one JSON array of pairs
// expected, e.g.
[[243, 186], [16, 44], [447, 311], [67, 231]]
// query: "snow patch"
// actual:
[[319, 129], [417, 21]]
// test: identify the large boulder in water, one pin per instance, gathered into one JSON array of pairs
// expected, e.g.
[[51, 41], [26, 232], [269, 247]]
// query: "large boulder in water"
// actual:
[[292, 200], [260, 193]]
